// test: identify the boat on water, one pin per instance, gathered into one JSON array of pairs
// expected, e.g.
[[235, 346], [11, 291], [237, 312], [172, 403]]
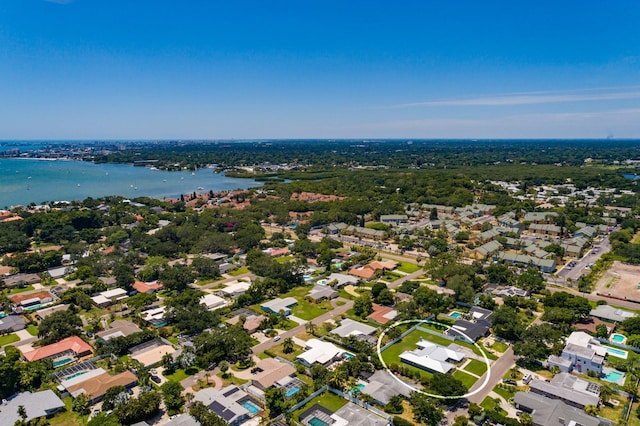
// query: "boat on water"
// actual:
[[200, 188]]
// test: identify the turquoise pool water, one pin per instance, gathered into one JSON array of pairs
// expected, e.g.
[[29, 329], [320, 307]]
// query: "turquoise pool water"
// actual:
[[322, 282], [617, 338], [62, 361], [613, 376], [617, 352], [80, 373], [317, 422], [307, 277], [455, 314], [253, 408], [292, 391]]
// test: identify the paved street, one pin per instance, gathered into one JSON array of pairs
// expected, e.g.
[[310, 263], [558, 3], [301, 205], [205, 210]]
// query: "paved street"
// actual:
[[498, 370], [337, 310]]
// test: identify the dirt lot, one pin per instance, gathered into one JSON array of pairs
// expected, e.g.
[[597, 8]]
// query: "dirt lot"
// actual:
[[621, 280]]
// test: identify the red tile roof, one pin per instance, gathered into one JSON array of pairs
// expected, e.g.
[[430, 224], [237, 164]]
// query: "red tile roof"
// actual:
[[18, 298], [142, 287], [73, 343]]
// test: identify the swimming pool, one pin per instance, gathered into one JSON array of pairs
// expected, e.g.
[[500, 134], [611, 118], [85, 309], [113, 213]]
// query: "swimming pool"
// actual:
[[613, 376], [617, 338], [62, 361], [455, 314], [357, 389], [307, 277], [291, 391], [322, 282], [253, 408], [617, 352], [80, 373], [317, 422]]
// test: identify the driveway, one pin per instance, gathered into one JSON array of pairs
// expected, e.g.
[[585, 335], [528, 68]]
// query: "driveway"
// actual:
[[337, 310]]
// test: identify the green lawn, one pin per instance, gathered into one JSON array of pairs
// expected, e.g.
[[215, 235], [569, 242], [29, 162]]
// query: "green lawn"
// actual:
[[68, 417], [466, 379], [506, 394], [499, 346], [476, 367], [488, 404], [408, 268], [239, 271], [445, 342], [20, 290], [284, 259], [305, 309], [33, 330], [180, 374], [328, 400], [8, 338], [278, 351]]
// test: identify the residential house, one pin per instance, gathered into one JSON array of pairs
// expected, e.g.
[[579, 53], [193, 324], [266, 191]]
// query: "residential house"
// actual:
[[553, 412], [95, 383], [228, 403], [109, 297], [118, 328], [213, 302], [270, 371], [21, 280], [155, 316], [32, 301], [582, 353], [382, 314], [570, 389], [382, 387], [43, 313], [279, 306], [62, 352], [235, 288], [11, 323], [349, 327], [611, 314], [432, 357], [151, 287], [321, 352], [543, 229], [36, 405], [394, 219], [251, 323], [542, 218], [321, 292]]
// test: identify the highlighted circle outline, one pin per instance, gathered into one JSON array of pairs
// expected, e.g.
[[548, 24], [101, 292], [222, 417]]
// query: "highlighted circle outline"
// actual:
[[407, 385]]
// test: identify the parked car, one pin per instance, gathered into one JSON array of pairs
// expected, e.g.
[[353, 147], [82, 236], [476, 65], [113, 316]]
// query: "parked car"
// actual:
[[156, 379], [275, 339], [527, 378], [509, 382]]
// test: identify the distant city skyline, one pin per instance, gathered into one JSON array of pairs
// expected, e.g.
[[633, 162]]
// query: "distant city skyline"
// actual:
[[118, 69]]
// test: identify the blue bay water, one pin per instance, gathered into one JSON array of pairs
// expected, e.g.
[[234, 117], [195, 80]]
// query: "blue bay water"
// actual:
[[24, 181]]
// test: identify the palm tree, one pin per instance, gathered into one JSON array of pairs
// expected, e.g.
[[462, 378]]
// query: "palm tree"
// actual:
[[591, 410], [287, 345], [605, 393]]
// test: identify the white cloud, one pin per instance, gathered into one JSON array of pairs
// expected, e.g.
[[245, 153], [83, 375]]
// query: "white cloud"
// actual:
[[531, 98]]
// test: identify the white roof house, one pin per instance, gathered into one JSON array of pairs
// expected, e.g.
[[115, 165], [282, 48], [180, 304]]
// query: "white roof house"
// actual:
[[610, 313], [349, 327], [584, 340], [109, 296], [432, 357], [36, 405], [279, 305], [213, 302], [236, 288], [320, 352]]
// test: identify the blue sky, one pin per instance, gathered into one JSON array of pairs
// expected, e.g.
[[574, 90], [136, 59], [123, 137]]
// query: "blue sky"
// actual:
[[155, 69]]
